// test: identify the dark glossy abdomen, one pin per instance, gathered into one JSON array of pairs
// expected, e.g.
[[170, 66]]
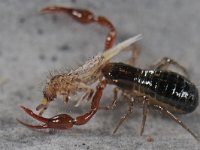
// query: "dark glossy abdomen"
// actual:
[[167, 87]]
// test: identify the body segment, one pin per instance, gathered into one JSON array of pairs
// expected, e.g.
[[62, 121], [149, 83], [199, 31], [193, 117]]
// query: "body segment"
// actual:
[[162, 90], [163, 87]]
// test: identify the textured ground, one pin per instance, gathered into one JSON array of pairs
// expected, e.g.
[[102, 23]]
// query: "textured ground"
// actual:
[[32, 44]]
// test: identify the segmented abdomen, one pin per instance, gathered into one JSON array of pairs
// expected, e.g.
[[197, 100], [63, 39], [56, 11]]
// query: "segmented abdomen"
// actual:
[[164, 86], [170, 88]]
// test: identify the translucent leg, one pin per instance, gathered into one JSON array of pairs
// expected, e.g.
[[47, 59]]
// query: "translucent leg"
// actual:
[[165, 62], [127, 114], [113, 103], [176, 119]]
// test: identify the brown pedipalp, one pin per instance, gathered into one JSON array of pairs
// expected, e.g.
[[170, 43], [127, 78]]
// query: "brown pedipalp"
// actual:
[[65, 121], [86, 17]]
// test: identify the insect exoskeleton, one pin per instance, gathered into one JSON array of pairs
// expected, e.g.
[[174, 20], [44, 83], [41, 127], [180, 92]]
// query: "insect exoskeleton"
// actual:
[[155, 88]]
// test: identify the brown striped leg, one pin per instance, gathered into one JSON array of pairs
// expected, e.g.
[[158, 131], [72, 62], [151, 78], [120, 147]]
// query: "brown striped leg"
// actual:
[[176, 119], [135, 52], [145, 110], [127, 114], [112, 105]]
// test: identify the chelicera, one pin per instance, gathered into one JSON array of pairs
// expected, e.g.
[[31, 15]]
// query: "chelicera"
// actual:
[[155, 87]]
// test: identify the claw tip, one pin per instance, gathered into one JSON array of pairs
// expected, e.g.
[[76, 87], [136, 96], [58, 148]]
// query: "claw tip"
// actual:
[[48, 9], [20, 121], [22, 107]]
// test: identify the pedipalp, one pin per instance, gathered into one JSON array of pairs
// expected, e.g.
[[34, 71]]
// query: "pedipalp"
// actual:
[[65, 121], [86, 17]]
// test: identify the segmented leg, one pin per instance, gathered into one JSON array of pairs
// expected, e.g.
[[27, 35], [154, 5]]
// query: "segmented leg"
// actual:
[[131, 102], [145, 109], [113, 103], [88, 93], [176, 119], [130, 110], [86, 17], [165, 62], [65, 121], [135, 52]]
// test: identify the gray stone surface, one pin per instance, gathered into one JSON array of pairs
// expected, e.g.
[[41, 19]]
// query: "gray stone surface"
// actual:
[[32, 44]]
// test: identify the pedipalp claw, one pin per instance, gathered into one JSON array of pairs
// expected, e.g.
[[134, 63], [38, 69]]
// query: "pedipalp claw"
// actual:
[[44, 126], [61, 121], [55, 9], [33, 115], [48, 9]]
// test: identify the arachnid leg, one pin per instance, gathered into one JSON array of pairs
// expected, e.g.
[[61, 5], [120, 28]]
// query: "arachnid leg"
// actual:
[[113, 103], [165, 62], [65, 121], [86, 17], [176, 119]]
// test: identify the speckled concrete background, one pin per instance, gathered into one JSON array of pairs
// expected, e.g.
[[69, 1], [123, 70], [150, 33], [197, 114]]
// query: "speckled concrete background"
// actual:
[[32, 44]]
